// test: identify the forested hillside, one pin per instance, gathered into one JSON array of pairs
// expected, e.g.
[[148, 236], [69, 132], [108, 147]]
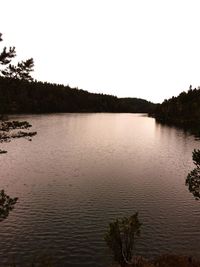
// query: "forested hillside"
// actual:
[[21, 96], [183, 110]]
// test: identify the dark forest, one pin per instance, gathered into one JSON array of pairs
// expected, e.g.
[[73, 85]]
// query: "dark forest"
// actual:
[[22, 96], [183, 110]]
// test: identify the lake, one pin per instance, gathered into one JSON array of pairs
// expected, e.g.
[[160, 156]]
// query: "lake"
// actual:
[[81, 171]]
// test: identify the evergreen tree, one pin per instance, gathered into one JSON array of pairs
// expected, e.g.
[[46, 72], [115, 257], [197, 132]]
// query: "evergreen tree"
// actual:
[[20, 71]]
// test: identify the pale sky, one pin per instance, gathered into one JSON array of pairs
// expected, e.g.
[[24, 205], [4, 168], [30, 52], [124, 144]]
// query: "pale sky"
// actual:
[[129, 48]]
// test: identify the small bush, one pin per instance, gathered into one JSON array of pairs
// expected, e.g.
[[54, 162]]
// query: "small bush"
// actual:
[[120, 238]]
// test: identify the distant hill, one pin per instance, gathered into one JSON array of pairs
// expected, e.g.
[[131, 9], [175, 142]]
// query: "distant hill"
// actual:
[[17, 96], [183, 110]]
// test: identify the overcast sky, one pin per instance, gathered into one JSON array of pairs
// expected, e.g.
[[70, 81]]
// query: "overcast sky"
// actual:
[[129, 48]]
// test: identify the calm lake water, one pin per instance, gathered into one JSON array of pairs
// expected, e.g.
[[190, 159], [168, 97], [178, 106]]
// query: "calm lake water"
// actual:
[[82, 171]]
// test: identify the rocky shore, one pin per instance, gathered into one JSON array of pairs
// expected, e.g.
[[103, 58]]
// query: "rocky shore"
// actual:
[[163, 261]]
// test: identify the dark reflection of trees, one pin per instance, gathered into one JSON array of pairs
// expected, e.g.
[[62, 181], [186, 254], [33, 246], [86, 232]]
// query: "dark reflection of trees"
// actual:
[[6, 205], [193, 178]]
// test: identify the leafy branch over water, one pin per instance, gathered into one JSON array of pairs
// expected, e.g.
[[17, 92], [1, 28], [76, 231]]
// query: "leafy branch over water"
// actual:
[[6, 205], [8, 131], [14, 73], [193, 178]]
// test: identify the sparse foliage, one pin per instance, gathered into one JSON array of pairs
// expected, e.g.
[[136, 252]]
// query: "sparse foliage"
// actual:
[[6, 205], [6, 55], [20, 71], [8, 131], [193, 182], [120, 238], [193, 178], [196, 157]]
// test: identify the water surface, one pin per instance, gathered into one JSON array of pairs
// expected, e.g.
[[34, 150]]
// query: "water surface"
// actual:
[[82, 171]]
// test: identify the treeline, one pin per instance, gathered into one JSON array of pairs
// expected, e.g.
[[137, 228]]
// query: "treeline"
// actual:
[[183, 110], [21, 96]]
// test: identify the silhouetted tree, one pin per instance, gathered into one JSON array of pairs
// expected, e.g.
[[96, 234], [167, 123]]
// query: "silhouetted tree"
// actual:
[[21, 71], [196, 157], [6, 55], [120, 238], [6, 205], [193, 178], [193, 183]]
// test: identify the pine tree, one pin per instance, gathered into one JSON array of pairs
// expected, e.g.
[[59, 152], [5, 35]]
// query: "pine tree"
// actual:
[[20, 71]]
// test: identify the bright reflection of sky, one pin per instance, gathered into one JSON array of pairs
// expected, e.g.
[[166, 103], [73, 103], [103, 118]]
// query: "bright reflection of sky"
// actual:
[[147, 49]]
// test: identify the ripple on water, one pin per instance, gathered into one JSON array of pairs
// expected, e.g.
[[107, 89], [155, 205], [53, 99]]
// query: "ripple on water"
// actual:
[[83, 170]]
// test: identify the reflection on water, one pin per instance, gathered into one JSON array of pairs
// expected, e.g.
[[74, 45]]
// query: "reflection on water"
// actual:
[[84, 170]]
